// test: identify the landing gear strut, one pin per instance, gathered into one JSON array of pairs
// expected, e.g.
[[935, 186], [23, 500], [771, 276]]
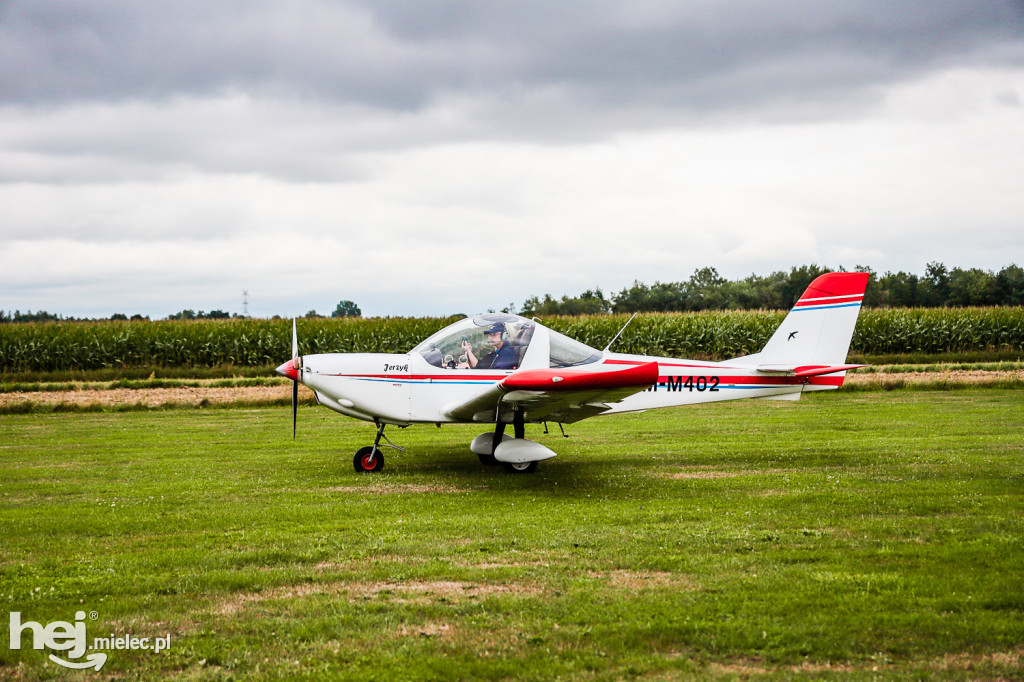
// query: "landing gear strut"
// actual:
[[518, 428], [370, 459]]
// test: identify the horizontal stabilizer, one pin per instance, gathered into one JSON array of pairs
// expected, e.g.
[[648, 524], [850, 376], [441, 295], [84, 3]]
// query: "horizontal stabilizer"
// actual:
[[806, 370]]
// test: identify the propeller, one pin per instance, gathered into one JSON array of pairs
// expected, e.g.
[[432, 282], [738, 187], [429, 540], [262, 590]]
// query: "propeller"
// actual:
[[292, 370], [295, 384]]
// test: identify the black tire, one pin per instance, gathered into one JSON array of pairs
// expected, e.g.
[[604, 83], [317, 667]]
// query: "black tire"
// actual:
[[487, 460], [524, 468], [361, 463]]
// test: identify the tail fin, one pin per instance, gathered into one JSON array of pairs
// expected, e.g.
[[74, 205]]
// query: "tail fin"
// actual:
[[816, 333]]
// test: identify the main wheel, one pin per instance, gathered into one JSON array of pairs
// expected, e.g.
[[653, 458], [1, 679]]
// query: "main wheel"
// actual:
[[487, 460], [362, 461], [520, 468]]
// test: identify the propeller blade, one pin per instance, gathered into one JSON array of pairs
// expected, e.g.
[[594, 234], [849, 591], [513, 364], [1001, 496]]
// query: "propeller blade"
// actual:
[[295, 406], [295, 383]]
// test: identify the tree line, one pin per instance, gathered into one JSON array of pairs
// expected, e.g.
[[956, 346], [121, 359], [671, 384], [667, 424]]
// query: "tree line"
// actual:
[[16, 316], [344, 308], [42, 316], [707, 290]]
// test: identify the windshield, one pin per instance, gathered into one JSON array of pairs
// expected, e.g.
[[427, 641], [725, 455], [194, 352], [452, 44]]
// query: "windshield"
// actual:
[[566, 352], [490, 341]]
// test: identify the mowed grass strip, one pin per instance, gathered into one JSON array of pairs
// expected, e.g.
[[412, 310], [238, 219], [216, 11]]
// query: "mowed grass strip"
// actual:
[[846, 534]]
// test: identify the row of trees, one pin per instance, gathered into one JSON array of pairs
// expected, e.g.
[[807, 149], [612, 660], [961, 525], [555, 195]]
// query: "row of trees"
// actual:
[[192, 315], [707, 290], [343, 309], [8, 317], [42, 316]]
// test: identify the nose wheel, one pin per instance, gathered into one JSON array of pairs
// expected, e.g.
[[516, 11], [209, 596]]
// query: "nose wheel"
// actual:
[[367, 461]]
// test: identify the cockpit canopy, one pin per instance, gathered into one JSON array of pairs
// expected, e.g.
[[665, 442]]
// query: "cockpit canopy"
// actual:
[[472, 344]]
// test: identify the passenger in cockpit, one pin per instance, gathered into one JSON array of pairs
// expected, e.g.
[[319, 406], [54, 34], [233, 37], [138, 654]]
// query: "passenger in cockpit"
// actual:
[[503, 356]]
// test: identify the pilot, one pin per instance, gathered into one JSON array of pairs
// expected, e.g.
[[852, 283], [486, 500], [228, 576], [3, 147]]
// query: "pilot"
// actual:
[[503, 356]]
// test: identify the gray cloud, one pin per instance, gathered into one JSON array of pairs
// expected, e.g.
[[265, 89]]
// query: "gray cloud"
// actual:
[[405, 56], [127, 90]]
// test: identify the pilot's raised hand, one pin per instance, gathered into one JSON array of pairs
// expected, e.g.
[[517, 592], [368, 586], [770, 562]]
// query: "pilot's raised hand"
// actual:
[[467, 347]]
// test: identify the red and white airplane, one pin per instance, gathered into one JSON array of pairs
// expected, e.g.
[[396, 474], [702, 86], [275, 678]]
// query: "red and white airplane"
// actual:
[[504, 369]]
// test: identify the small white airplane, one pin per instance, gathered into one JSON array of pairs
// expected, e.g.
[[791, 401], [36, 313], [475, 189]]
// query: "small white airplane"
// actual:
[[504, 369]]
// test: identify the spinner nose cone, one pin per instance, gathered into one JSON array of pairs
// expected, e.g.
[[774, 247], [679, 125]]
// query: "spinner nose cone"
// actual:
[[290, 369]]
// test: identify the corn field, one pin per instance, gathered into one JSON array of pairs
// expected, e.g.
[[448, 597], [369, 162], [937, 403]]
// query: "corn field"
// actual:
[[56, 346], [713, 335]]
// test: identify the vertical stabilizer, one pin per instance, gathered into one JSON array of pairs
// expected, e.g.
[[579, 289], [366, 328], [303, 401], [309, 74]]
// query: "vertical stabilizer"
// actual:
[[818, 330]]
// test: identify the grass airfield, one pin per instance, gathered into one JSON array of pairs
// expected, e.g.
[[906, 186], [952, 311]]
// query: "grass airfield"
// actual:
[[849, 535]]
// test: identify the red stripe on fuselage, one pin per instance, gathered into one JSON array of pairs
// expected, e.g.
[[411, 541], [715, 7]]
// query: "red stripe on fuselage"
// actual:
[[778, 380], [767, 382], [726, 379], [423, 377]]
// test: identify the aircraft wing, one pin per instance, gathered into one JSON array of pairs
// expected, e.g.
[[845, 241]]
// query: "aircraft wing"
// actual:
[[562, 395]]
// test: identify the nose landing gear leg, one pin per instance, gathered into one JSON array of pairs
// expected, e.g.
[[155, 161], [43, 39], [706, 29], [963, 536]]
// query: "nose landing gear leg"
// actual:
[[370, 459]]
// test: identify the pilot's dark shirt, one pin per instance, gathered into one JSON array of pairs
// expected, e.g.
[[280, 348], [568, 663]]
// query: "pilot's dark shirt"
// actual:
[[502, 358]]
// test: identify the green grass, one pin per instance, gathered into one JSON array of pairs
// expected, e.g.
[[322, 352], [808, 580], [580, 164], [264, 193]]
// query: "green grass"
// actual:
[[849, 535]]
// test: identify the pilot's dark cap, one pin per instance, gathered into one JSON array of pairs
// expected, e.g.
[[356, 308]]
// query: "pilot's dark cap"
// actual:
[[498, 328]]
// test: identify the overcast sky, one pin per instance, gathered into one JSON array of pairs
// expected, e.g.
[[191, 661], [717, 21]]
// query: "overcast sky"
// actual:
[[429, 158]]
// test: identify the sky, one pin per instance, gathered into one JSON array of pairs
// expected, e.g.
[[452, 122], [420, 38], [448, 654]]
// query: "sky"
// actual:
[[436, 158]]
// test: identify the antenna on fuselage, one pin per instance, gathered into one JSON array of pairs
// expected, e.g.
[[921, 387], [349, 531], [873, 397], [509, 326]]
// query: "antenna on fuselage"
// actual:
[[620, 333]]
